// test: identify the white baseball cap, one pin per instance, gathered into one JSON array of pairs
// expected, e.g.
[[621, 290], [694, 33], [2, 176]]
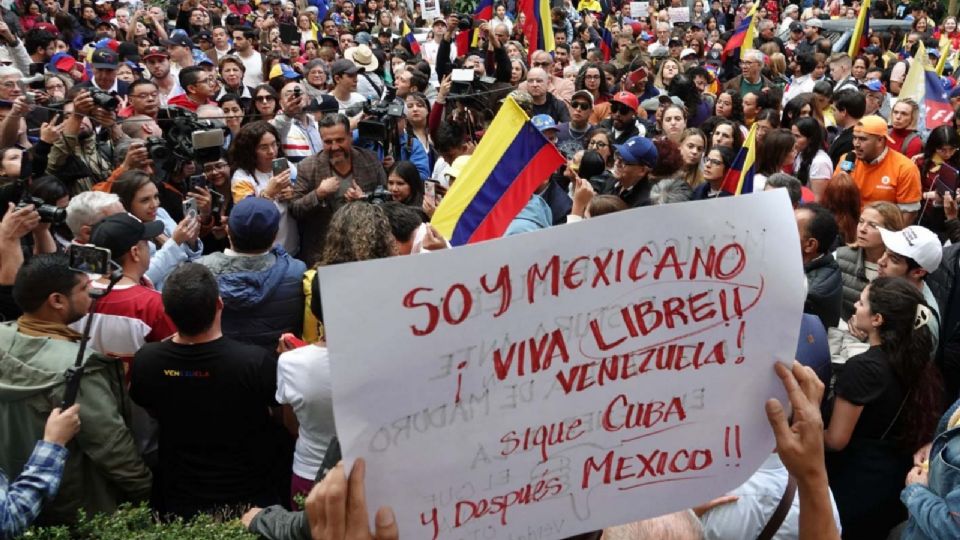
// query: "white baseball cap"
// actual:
[[917, 243]]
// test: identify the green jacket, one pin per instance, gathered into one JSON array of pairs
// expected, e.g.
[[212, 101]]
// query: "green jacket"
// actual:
[[104, 467]]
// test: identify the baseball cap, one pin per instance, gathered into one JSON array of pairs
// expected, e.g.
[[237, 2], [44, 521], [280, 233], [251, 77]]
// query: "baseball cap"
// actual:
[[104, 59], [543, 122], [874, 86], [584, 94], [324, 103], [674, 42], [203, 34], [872, 125], [363, 38], [652, 104], [714, 57], [626, 98], [254, 217], [122, 231], [180, 40], [638, 151], [155, 52], [917, 243], [341, 66], [687, 52], [329, 39], [283, 70], [873, 49], [796, 26]]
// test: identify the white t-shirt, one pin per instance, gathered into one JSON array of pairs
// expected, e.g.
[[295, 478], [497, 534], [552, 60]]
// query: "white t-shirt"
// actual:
[[288, 235], [821, 166], [355, 100], [303, 382], [253, 74]]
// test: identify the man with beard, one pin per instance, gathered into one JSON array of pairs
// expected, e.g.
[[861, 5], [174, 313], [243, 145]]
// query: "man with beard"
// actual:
[[623, 117], [75, 158], [158, 64], [326, 181]]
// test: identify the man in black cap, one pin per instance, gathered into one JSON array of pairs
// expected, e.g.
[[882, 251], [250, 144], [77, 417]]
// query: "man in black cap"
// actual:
[[132, 313], [180, 48], [795, 37], [105, 63], [344, 74]]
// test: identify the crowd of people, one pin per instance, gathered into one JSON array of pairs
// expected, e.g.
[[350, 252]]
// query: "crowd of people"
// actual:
[[218, 152]]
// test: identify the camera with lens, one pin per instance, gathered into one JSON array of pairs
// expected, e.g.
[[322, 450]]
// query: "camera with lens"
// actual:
[[157, 148], [104, 100], [48, 212], [381, 118], [379, 195]]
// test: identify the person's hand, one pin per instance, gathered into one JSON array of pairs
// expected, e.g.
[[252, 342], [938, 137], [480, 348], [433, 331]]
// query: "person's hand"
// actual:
[[104, 117], [187, 231], [444, 90], [286, 194], [18, 222], [6, 34], [582, 195], [433, 240], [83, 103], [50, 131], [429, 205], [337, 509], [917, 475], [203, 198], [61, 426], [248, 516], [800, 444], [328, 186], [137, 156], [854, 331], [354, 193], [283, 346], [293, 103], [20, 107], [277, 184], [387, 162], [922, 455], [950, 205], [710, 505]]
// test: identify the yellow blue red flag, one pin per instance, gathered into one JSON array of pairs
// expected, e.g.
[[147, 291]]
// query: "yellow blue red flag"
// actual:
[[510, 163], [739, 179]]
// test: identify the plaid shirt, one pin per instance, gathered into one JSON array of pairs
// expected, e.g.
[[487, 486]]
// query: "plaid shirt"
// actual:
[[20, 502]]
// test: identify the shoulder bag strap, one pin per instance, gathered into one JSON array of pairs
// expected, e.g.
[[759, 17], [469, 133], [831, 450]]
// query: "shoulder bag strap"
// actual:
[[780, 513]]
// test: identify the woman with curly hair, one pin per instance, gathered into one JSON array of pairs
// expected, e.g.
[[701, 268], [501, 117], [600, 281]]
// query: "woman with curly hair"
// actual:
[[842, 197], [729, 105], [592, 79]]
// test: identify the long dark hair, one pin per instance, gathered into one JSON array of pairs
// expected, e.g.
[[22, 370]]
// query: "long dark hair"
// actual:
[[776, 146], [940, 136], [242, 154], [737, 113], [251, 113], [811, 129], [128, 184], [682, 86], [580, 83], [411, 175], [909, 349]]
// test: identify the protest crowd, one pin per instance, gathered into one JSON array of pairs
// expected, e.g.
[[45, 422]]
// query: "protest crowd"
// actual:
[[172, 176]]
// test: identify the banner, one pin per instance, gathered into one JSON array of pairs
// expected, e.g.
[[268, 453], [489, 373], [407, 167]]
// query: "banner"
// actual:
[[678, 15], [639, 9], [561, 381]]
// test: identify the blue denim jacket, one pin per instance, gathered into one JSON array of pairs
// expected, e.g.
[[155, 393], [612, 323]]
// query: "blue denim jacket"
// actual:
[[935, 508]]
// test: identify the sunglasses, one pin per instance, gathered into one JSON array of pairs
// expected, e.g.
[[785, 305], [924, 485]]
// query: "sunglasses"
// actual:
[[620, 109], [265, 99], [580, 105]]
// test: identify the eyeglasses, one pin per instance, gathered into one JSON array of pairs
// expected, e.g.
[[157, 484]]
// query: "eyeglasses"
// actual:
[[712, 161], [9, 84], [264, 99], [542, 64], [580, 105], [597, 144], [620, 109], [211, 167]]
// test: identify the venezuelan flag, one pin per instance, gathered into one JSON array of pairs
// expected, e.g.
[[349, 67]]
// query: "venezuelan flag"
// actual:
[[923, 85], [539, 27], [861, 32], [606, 44], [322, 10], [742, 38], [483, 12], [410, 39], [739, 179], [508, 165]]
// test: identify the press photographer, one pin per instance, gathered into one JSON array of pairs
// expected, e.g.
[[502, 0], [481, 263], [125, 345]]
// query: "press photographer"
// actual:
[[383, 130], [76, 158]]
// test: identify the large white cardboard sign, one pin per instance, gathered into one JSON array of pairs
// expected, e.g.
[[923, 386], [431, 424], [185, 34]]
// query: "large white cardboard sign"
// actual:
[[561, 381]]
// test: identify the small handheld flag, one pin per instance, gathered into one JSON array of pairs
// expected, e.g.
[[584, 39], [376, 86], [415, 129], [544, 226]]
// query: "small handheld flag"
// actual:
[[409, 39], [739, 179], [742, 37]]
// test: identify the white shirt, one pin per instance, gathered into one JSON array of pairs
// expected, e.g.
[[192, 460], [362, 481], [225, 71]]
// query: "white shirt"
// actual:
[[303, 382], [758, 498], [287, 236], [253, 74], [798, 86], [821, 167]]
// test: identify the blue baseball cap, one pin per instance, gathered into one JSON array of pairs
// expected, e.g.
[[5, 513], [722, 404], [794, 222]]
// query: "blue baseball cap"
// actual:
[[638, 151], [254, 217], [543, 122]]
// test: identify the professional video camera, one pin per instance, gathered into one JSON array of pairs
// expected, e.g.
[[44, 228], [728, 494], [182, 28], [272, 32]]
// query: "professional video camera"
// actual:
[[380, 123], [470, 89], [16, 192], [379, 195], [183, 134]]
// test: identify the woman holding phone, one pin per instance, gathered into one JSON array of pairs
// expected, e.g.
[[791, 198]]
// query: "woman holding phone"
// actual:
[[259, 170]]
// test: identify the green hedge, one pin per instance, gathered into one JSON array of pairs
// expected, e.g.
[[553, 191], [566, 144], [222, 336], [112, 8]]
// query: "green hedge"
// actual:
[[141, 523]]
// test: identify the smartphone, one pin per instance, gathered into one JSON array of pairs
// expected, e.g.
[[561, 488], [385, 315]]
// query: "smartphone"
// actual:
[[462, 75], [189, 207], [292, 341], [89, 259], [430, 189], [638, 75], [217, 201], [196, 181], [280, 165]]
